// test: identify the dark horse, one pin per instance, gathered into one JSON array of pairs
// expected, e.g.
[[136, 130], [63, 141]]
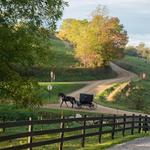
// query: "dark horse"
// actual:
[[66, 99]]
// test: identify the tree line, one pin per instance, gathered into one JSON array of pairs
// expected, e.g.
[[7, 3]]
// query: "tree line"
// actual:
[[139, 51]]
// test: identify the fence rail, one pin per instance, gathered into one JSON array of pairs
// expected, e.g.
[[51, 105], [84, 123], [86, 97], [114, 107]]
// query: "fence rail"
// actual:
[[115, 124]]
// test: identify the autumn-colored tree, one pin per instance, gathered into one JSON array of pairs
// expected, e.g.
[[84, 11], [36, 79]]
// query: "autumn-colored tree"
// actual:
[[97, 41], [87, 47], [70, 30]]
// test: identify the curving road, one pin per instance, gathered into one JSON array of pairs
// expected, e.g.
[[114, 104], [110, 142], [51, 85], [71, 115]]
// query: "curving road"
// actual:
[[94, 87]]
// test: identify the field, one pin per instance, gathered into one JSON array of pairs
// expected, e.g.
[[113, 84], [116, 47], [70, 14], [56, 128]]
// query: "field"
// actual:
[[58, 87], [138, 66]]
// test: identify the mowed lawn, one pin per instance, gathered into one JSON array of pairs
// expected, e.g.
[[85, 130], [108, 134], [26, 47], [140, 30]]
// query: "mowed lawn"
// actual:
[[57, 87]]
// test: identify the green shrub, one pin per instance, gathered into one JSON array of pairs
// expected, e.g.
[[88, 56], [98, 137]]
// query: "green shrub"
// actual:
[[13, 113]]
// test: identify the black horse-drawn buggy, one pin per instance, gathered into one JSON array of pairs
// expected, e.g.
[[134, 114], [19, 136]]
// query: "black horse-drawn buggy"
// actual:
[[85, 100]]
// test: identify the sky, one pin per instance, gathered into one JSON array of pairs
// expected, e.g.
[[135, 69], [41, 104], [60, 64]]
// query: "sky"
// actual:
[[133, 14]]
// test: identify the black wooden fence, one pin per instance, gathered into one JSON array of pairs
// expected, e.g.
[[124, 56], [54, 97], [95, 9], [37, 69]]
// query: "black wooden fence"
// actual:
[[102, 125]]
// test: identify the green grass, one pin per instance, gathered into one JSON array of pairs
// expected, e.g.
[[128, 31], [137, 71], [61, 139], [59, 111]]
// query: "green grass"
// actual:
[[91, 143], [106, 93], [62, 56], [58, 87], [56, 113], [62, 61], [136, 65], [118, 105], [10, 112], [102, 99]]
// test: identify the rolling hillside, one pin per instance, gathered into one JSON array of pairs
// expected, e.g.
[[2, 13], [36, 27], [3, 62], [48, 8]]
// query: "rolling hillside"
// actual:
[[61, 60]]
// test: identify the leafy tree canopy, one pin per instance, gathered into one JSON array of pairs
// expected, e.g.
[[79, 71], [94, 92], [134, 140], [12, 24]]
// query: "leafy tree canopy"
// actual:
[[97, 41], [35, 12], [24, 28]]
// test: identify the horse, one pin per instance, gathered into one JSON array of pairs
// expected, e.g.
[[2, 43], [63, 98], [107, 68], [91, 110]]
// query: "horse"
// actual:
[[66, 99]]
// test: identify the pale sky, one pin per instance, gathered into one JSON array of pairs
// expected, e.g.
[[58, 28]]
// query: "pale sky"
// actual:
[[133, 14]]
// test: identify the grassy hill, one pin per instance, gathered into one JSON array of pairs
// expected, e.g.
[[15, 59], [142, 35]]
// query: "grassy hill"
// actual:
[[61, 55], [135, 64], [138, 100], [66, 67]]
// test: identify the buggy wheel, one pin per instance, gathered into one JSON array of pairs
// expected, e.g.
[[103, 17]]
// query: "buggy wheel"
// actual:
[[94, 106], [91, 106]]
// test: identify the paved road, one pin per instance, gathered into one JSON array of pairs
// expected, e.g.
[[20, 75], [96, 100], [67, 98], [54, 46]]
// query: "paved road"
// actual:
[[137, 144], [94, 87]]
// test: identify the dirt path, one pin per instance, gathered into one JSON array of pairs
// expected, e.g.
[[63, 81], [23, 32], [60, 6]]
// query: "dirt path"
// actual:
[[137, 144], [94, 87]]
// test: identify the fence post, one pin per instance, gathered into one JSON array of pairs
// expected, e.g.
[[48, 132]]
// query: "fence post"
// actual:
[[62, 125], [4, 120], [124, 125], [113, 127], [145, 125], [40, 118], [83, 131], [30, 129], [100, 128], [139, 131], [132, 125]]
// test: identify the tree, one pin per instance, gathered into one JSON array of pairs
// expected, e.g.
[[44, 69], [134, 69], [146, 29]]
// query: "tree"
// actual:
[[140, 51], [131, 51], [87, 46], [97, 41], [36, 13], [143, 51], [70, 30], [24, 25], [21, 93]]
